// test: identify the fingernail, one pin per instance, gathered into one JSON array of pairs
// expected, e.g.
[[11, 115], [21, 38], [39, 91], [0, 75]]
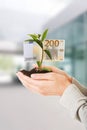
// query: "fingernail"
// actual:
[[33, 76], [18, 73]]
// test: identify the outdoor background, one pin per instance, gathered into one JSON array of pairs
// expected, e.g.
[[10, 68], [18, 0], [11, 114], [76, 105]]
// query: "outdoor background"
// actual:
[[66, 19]]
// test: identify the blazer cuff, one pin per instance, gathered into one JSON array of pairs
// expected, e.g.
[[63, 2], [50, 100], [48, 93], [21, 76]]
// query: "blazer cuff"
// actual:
[[72, 99], [82, 88]]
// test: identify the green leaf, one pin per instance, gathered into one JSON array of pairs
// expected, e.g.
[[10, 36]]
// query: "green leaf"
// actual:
[[36, 40], [44, 35], [39, 43], [39, 63], [29, 40], [33, 35], [48, 53]]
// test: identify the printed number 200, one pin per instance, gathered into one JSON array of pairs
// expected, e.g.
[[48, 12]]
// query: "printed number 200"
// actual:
[[52, 43]]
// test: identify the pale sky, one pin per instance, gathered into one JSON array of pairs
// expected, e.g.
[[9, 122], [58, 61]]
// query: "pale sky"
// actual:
[[46, 7], [19, 17]]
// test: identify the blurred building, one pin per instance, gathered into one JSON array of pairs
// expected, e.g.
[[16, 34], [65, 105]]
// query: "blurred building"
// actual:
[[71, 25]]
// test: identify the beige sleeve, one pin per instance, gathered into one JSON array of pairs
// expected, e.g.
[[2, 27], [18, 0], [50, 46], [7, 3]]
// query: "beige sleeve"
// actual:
[[82, 88], [72, 99]]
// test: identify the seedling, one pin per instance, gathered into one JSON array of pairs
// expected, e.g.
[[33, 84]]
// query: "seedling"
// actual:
[[39, 39]]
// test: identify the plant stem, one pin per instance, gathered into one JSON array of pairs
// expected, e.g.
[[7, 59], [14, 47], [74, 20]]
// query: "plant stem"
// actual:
[[42, 57]]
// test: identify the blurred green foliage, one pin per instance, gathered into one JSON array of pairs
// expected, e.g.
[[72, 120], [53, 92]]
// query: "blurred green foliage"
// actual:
[[6, 62]]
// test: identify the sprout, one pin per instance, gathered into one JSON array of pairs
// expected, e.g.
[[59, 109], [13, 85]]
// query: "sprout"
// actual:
[[39, 39]]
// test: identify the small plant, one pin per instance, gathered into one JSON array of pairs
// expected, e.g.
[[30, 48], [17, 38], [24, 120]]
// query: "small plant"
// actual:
[[39, 39]]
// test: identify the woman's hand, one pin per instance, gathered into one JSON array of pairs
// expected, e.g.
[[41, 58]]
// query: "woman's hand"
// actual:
[[52, 83]]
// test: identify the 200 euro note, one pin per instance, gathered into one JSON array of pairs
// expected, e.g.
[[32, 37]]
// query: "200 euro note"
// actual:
[[33, 51]]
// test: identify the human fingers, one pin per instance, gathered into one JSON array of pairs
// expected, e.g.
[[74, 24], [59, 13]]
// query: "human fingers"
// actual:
[[59, 71], [56, 86], [44, 76], [41, 87], [26, 83], [35, 86], [23, 77], [32, 82], [31, 87]]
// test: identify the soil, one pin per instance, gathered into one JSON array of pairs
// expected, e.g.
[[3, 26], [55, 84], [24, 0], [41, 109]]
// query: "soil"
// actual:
[[34, 70]]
